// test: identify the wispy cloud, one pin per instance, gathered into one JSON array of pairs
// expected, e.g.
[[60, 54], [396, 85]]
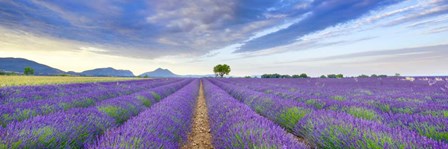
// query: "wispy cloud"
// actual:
[[92, 49], [152, 28], [324, 14], [303, 45], [406, 54], [422, 10]]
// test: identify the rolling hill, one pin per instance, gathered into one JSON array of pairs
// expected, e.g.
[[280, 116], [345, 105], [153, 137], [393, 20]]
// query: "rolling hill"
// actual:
[[19, 64], [160, 73], [109, 71]]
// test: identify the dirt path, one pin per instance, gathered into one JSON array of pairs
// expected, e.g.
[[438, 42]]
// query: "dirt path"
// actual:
[[200, 137], [304, 141]]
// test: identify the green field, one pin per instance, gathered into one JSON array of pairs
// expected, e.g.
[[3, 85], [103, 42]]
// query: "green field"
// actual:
[[44, 80]]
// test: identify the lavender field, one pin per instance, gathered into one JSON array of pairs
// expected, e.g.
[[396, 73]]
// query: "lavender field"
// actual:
[[394, 112], [224, 74]]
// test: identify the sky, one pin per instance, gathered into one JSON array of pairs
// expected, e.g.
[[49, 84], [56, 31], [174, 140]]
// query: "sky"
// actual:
[[254, 37]]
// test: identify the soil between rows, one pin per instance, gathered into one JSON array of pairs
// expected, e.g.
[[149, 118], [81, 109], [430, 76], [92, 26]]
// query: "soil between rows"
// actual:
[[200, 136]]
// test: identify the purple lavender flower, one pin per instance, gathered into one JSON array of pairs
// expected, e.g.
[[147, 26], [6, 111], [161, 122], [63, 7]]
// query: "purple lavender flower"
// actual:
[[75, 127], [414, 108], [235, 125], [330, 129], [25, 110], [59, 130], [165, 125]]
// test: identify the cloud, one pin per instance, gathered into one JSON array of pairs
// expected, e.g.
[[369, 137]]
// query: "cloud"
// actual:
[[429, 23], [188, 28], [324, 14], [92, 49], [152, 28], [425, 52], [303, 45], [423, 10], [189, 15], [439, 30]]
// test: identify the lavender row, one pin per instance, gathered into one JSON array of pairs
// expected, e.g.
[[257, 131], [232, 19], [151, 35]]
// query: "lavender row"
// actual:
[[428, 125], [331, 129], [400, 114], [284, 112], [124, 107], [423, 96], [21, 91], [20, 94], [26, 110], [60, 130], [79, 90], [76, 127], [351, 87], [235, 125], [292, 115], [164, 125]]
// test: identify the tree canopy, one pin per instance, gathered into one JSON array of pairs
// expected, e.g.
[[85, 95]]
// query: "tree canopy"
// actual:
[[276, 75], [221, 70], [28, 71], [335, 76]]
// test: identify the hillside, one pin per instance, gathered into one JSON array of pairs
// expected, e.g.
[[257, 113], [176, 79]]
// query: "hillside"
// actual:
[[109, 71], [160, 73], [18, 65]]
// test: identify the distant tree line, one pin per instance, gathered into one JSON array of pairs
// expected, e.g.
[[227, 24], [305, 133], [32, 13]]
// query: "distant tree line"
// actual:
[[276, 75], [145, 76], [250, 77], [377, 76], [332, 76], [303, 75], [26, 71], [8, 73], [337, 76], [372, 76]]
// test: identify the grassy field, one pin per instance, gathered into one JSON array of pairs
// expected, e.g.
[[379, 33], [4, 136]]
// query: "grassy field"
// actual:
[[43, 80]]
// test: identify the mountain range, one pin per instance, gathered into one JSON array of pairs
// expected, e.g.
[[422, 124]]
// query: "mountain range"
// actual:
[[17, 65]]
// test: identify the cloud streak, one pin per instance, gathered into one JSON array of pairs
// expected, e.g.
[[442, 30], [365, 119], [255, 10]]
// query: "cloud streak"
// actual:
[[425, 52], [324, 14], [148, 28]]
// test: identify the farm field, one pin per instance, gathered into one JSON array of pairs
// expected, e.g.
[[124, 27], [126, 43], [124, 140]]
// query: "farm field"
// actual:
[[44, 80], [214, 74], [393, 112]]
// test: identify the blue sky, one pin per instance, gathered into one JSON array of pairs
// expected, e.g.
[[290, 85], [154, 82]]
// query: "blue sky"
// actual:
[[252, 36]]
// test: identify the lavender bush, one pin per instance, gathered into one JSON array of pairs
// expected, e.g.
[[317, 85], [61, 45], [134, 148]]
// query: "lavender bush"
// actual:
[[234, 125], [400, 111], [75, 127], [330, 129], [164, 125], [11, 95], [25, 110]]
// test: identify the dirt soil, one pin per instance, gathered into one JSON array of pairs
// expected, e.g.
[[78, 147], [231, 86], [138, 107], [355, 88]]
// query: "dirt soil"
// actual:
[[200, 136], [303, 140]]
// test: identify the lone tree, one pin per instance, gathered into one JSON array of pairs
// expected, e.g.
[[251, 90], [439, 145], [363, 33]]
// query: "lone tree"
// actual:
[[28, 71], [221, 70]]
